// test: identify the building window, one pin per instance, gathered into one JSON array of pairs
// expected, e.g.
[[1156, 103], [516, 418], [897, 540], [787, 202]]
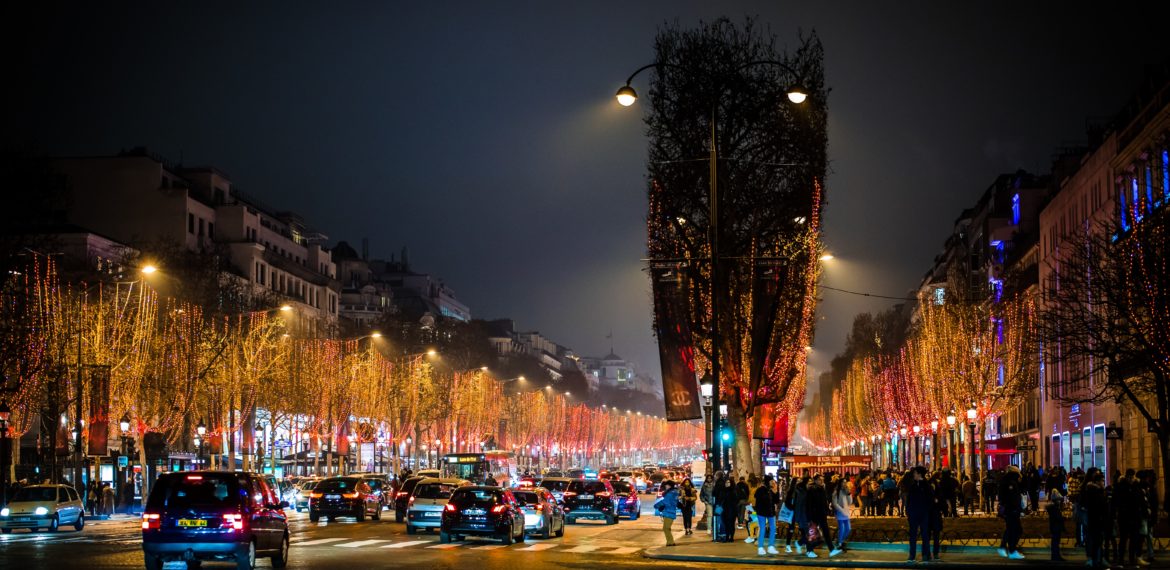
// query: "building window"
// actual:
[[211, 230], [1016, 210], [190, 223], [200, 227]]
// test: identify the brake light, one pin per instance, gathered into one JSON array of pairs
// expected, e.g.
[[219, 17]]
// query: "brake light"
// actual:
[[150, 521], [194, 477], [449, 508], [400, 493], [568, 494], [352, 495], [235, 521], [539, 506], [499, 509], [316, 495], [410, 503], [631, 499], [604, 494]]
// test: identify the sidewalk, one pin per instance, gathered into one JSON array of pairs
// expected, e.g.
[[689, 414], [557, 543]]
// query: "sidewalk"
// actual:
[[699, 548]]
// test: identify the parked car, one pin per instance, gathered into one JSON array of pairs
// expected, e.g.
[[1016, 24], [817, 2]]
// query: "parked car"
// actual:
[[626, 500], [402, 497], [590, 499], [542, 514], [347, 496], [425, 507], [214, 515], [477, 510], [556, 486], [43, 506]]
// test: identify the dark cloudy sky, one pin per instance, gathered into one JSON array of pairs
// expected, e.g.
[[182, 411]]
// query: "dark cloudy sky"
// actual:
[[485, 137]]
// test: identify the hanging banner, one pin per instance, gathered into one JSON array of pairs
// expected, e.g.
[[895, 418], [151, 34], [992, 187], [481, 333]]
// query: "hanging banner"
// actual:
[[341, 437], [780, 432], [99, 410], [215, 443], [680, 388], [763, 422]]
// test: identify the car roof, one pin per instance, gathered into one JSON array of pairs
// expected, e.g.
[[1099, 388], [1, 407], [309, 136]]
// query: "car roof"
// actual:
[[480, 488], [559, 479], [441, 481]]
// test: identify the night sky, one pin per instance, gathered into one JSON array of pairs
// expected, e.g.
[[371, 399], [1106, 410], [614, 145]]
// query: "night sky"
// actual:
[[485, 137]]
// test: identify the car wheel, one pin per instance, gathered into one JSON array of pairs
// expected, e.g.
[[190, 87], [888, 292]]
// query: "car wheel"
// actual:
[[561, 531], [377, 512], [314, 516], [444, 537], [571, 520], [54, 524], [360, 515], [410, 529], [398, 516], [546, 532], [280, 559], [331, 518], [458, 538], [523, 535], [152, 562], [507, 539], [612, 519], [247, 559], [80, 524]]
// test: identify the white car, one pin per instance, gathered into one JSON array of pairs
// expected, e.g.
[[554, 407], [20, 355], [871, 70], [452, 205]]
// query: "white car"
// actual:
[[425, 508], [43, 506]]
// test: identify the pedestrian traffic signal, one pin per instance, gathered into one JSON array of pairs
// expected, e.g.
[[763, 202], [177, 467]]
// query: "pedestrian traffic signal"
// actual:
[[725, 433]]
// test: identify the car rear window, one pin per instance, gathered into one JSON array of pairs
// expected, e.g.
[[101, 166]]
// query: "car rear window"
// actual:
[[526, 497], [622, 487], [343, 484], [475, 497], [587, 486], [308, 485], [554, 485], [206, 490], [434, 491], [409, 485], [375, 484], [36, 494]]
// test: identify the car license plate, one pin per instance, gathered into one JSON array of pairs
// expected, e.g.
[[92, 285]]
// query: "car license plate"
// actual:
[[585, 497], [332, 497], [192, 522], [23, 519], [431, 514]]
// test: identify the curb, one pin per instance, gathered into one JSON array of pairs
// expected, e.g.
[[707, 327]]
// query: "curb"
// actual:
[[844, 562]]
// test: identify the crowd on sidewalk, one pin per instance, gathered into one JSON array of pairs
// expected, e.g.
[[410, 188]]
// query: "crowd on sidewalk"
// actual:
[[1111, 522]]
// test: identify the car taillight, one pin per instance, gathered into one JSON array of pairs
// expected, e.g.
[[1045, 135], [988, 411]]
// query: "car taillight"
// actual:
[[235, 521], [449, 508], [410, 503], [499, 509], [400, 494], [631, 499], [352, 495], [604, 494], [539, 506], [150, 521], [569, 494], [316, 495]]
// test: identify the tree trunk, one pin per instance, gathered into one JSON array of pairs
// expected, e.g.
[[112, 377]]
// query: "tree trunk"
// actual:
[[1164, 448], [747, 460]]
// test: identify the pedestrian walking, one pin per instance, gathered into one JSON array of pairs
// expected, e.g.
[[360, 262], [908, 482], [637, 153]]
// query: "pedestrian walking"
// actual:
[[1132, 511], [742, 491], [938, 507], [842, 502], [107, 499], [91, 497], [667, 508], [764, 500], [970, 495], [817, 510], [707, 495], [1093, 516], [1075, 479], [889, 495], [726, 503], [1011, 507], [1149, 480], [919, 497], [1055, 511], [795, 502], [689, 496]]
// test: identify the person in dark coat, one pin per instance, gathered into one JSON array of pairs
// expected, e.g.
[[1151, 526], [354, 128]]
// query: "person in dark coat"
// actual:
[[1055, 510], [919, 499], [794, 500], [1011, 497], [1093, 512], [726, 503], [1130, 503], [817, 509], [939, 505]]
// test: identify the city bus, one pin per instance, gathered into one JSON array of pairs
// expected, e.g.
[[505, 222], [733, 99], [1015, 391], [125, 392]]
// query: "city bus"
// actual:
[[475, 467]]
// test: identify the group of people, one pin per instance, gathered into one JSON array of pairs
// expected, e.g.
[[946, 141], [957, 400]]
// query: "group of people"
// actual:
[[1112, 522]]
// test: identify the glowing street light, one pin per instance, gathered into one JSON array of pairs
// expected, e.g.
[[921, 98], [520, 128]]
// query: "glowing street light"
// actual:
[[826, 257], [148, 269]]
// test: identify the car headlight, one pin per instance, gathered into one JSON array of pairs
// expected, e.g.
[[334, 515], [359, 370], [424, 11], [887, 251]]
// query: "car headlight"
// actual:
[[41, 511], [4, 512]]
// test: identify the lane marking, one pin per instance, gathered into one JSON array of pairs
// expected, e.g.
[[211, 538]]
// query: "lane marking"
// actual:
[[320, 541], [359, 543], [405, 544], [624, 550], [538, 547], [445, 546], [582, 549], [488, 547]]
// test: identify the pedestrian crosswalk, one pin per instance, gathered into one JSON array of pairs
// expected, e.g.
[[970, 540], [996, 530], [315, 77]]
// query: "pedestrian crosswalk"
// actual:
[[434, 544]]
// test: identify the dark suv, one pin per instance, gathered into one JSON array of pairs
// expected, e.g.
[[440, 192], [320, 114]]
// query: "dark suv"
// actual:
[[214, 515], [348, 496], [590, 499], [402, 498], [482, 511]]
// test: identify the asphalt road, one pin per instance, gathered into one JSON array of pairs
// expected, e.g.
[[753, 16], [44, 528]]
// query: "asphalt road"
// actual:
[[371, 544]]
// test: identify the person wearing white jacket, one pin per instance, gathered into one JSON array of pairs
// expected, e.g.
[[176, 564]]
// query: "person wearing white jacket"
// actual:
[[842, 501]]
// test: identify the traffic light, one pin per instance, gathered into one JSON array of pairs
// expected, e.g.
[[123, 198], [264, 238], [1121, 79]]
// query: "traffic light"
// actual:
[[725, 433]]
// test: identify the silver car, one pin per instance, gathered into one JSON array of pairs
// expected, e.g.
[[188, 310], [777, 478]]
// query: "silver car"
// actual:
[[43, 506], [425, 508]]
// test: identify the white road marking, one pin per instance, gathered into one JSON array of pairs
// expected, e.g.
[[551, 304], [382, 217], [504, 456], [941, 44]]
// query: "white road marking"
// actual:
[[320, 541], [445, 546], [582, 549], [539, 547], [405, 544], [624, 550], [360, 543], [489, 547]]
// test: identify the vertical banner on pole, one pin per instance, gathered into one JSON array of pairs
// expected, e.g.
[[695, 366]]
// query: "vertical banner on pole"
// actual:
[[675, 344], [99, 410], [763, 422]]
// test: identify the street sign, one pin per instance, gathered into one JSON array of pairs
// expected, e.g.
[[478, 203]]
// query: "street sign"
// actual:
[[1026, 447], [1114, 432], [123, 461]]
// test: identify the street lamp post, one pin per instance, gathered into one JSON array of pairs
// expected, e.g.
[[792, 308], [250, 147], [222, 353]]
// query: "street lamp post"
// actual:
[[5, 452], [260, 446], [917, 446], [626, 96], [201, 431], [903, 453], [951, 452], [972, 413], [934, 459], [124, 430]]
